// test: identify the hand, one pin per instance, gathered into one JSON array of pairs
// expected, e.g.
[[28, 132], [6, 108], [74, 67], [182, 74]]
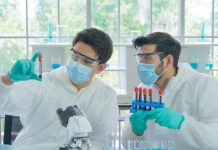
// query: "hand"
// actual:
[[23, 69], [167, 117], [138, 121]]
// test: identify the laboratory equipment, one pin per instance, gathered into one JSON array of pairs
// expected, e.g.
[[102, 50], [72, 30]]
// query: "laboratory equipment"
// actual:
[[202, 31], [40, 65], [62, 33], [145, 99], [138, 104], [140, 97], [136, 95], [194, 65], [49, 32], [150, 145], [55, 62], [78, 128], [209, 64], [194, 62], [52, 53], [112, 140], [160, 94], [150, 96]]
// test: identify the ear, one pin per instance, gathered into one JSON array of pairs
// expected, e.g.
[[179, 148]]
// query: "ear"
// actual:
[[169, 60], [100, 68]]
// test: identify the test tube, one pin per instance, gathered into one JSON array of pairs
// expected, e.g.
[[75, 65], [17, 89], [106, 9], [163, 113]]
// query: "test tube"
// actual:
[[40, 65], [140, 97], [160, 94], [136, 95], [150, 95], [145, 100]]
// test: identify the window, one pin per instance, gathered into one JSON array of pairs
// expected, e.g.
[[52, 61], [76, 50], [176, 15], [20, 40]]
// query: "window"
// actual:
[[11, 25], [165, 16], [104, 16], [134, 18], [189, 21], [198, 20], [73, 15], [40, 14], [10, 50]]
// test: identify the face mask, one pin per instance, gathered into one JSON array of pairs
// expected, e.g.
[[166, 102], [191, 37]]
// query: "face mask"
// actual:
[[78, 73], [147, 74]]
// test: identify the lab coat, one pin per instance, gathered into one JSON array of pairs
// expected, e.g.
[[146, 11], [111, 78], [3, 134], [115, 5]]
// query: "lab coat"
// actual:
[[36, 104], [195, 95]]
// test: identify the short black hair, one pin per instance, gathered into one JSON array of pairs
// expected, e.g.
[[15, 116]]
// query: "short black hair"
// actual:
[[164, 43], [98, 40]]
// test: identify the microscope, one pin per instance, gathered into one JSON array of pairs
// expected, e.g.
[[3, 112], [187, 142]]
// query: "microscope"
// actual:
[[78, 128]]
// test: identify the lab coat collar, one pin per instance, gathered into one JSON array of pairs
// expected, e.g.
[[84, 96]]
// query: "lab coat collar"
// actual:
[[184, 72]]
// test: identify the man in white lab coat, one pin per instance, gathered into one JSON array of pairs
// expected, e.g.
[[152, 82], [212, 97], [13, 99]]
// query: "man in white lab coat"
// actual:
[[189, 119], [35, 100]]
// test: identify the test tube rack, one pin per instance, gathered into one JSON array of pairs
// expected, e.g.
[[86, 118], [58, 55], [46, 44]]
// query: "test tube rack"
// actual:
[[143, 104]]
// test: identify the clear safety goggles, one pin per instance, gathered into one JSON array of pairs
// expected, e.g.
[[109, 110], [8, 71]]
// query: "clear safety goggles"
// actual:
[[146, 58], [82, 59]]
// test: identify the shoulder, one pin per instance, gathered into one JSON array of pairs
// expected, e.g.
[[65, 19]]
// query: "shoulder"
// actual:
[[195, 78], [102, 85]]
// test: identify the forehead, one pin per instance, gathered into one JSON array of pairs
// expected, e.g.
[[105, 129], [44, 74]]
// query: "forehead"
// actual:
[[147, 48], [85, 49]]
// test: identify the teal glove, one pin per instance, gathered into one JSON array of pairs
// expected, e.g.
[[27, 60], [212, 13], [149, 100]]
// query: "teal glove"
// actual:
[[138, 121], [167, 117], [23, 69]]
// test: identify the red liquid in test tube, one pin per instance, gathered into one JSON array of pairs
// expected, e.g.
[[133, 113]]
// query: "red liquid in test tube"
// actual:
[[40, 65], [150, 95], [136, 95], [145, 100], [140, 97], [160, 94]]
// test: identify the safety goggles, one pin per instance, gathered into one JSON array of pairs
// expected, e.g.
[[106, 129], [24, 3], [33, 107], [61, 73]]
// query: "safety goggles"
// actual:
[[146, 57], [82, 59]]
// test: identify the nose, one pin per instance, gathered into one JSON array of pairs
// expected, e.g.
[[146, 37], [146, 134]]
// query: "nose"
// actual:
[[80, 61]]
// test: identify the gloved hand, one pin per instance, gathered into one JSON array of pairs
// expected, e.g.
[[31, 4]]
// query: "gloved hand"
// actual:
[[23, 69], [167, 117], [138, 121]]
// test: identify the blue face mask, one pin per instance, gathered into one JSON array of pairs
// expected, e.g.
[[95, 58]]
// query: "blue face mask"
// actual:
[[147, 73], [78, 73]]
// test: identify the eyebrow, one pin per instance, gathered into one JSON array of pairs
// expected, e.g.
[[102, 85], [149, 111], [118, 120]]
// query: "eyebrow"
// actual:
[[149, 53]]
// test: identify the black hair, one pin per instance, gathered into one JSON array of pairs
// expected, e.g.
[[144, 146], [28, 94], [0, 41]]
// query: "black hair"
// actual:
[[98, 40], [164, 43]]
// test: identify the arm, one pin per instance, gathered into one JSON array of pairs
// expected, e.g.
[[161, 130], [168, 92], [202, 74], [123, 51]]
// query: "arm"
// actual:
[[15, 96], [202, 133], [18, 98]]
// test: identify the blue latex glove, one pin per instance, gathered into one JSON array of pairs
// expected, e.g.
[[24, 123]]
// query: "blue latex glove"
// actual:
[[23, 69], [138, 121], [167, 117]]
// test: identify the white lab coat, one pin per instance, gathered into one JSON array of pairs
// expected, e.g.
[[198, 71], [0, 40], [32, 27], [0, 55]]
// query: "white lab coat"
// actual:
[[195, 95], [36, 104]]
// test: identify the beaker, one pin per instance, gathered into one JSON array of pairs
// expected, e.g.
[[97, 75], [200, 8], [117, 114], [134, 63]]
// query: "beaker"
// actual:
[[112, 140], [55, 62], [209, 64], [194, 61]]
